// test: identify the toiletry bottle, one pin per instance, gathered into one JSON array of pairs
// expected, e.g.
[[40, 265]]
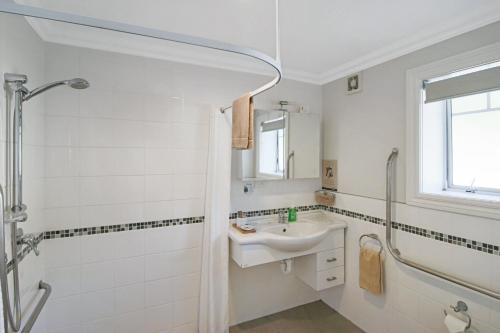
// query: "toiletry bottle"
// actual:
[[241, 218], [292, 214]]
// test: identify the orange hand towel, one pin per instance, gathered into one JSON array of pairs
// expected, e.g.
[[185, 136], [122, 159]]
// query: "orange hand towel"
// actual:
[[242, 136], [370, 270]]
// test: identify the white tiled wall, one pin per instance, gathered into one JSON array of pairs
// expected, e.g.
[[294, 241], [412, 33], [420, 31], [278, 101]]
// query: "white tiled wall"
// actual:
[[121, 152], [133, 281], [110, 150]]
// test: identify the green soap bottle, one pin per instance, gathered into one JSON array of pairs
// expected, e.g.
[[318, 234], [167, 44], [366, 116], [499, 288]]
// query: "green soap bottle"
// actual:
[[292, 214]]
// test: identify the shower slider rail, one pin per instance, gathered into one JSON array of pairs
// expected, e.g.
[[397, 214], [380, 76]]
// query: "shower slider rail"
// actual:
[[397, 254]]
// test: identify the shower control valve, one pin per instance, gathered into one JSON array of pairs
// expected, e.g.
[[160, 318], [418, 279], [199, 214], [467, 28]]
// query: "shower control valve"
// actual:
[[29, 240]]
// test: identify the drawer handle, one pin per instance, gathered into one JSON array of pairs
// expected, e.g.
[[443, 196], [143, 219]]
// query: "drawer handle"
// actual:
[[330, 279], [331, 259]]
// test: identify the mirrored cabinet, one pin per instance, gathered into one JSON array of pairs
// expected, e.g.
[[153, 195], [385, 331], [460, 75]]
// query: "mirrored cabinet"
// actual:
[[287, 146]]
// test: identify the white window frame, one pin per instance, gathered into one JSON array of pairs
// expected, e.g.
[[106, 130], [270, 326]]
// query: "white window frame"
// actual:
[[454, 201]]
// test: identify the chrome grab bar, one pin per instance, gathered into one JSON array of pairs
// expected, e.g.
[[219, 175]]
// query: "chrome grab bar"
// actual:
[[397, 254], [39, 306], [9, 316], [290, 156]]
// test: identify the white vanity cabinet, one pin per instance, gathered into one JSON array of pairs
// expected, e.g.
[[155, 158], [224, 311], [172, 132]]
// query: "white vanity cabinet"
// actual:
[[322, 270], [315, 243]]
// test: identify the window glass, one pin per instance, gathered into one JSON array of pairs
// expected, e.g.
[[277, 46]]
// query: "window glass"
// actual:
[[495, 99], [469, 103], [475, 142]]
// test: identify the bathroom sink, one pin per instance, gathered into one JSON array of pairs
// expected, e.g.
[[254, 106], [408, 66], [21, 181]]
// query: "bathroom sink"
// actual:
[[303, 229], [298, 236]]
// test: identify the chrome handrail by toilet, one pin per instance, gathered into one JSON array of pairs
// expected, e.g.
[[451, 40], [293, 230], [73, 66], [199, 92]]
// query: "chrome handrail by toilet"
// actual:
[[397, 254]]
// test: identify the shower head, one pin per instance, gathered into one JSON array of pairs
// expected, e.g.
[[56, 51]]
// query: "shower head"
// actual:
[[76, 83]]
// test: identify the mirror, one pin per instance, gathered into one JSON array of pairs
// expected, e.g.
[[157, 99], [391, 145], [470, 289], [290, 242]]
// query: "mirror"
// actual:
[[287, 146]]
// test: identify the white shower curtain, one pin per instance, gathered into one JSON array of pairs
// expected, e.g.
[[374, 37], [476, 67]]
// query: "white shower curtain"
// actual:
[[214, 307]]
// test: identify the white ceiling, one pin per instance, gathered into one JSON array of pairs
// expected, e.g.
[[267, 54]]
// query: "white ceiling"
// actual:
[[321, 40]]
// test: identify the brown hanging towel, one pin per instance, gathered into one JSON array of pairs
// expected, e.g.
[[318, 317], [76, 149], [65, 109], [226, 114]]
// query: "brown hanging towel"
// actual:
[[370, 270], [242, 136]]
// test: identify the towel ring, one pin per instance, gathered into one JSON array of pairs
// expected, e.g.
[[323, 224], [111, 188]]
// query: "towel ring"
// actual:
[[374, 237]]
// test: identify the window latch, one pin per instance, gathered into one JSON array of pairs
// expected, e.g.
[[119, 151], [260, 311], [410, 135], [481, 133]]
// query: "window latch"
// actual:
[[471, 188]]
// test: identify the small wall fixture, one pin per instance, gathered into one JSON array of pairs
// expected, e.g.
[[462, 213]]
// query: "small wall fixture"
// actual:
[[354, 83]]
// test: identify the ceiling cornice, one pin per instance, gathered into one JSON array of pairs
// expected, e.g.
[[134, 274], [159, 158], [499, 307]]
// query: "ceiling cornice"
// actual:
[[379, 56], [409, 45]]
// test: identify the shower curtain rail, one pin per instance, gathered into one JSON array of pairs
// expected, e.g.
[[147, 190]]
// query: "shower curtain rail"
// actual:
[[397, 254], [11, 7]]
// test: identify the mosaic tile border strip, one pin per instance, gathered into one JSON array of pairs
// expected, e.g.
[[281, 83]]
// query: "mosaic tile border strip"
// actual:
[[87, 231], [105, 229], [427, 233], [274, 211]]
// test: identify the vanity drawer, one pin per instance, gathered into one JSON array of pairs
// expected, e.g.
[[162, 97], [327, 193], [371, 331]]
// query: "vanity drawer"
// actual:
[[330, 278], [330, 259]]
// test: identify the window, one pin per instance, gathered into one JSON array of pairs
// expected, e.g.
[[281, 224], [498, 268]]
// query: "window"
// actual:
[[473, 127], [453, 134]]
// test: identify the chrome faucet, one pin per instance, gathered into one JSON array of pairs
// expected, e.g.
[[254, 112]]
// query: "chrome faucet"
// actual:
[[29, 240], [282, 217]]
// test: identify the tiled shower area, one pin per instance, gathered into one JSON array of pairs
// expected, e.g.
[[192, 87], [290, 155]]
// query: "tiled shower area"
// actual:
[[132, 156], [120, 282], [119, 176]]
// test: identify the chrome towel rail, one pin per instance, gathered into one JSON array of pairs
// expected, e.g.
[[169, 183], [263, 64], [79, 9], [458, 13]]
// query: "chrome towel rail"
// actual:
[[397, 254]]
